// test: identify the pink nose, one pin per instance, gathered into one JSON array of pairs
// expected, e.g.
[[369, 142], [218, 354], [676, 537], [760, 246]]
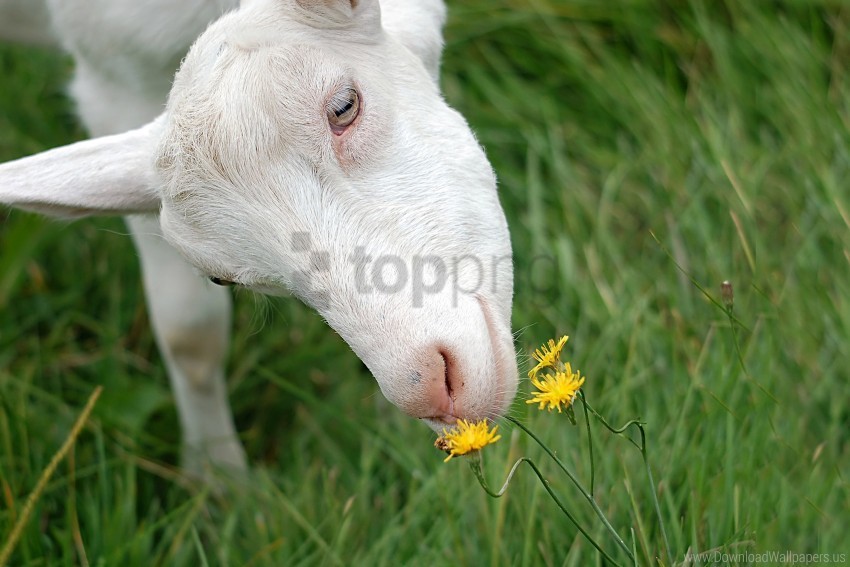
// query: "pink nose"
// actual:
[[440, 378]]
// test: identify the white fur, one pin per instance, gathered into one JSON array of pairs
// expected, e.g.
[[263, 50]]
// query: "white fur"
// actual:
[[243, 163]]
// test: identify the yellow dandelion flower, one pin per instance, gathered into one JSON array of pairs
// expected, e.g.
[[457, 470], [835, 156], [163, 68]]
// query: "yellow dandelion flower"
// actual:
[[556, 390], [466, 438], [547, 357]]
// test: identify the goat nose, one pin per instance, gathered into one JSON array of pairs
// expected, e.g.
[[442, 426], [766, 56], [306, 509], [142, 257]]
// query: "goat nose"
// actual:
[[439, 376]]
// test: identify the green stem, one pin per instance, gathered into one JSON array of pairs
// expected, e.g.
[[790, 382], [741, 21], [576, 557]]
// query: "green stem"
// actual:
[[578, 485], [611, 428], [737, 345], [634, 547], [589, 443], [655, 501], [733, 324], [475, 465], [643, 452]]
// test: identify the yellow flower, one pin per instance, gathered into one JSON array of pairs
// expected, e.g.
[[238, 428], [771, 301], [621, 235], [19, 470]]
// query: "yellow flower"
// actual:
[[466, 438], [546, 357], [556, 390]]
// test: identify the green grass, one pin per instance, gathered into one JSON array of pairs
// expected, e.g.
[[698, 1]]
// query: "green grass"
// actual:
[[721, 128]]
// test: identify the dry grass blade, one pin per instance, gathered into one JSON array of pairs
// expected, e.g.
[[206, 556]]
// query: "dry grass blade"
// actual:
[[9, 546]]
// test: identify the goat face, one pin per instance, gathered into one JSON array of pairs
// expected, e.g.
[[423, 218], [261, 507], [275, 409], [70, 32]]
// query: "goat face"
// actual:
[[305, 149]]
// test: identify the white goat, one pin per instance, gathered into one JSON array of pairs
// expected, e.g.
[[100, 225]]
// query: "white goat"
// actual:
[[305, 147]]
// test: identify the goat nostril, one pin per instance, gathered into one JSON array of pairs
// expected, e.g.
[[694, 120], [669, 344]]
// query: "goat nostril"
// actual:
[[446, 376], [438, 382]]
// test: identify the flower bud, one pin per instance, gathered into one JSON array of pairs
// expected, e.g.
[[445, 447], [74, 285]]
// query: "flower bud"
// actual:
[[727, 294]]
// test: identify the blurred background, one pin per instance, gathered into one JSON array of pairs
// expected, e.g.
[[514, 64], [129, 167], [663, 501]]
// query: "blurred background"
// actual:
[[646, 152]]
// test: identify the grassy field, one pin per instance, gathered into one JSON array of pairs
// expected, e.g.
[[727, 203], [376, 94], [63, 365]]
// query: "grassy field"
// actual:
[[647, 151]]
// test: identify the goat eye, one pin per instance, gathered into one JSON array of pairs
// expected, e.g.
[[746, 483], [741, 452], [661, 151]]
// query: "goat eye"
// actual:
[[221, 282], [343, 109]]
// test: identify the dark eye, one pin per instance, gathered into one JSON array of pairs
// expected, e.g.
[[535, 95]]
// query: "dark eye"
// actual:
[[221, 282], [343, 109]]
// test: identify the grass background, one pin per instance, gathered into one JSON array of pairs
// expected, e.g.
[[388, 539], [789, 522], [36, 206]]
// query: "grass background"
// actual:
[[721, 128]]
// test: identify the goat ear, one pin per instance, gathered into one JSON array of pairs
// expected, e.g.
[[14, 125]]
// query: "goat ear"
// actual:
[[365, 13], [103, 176]]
